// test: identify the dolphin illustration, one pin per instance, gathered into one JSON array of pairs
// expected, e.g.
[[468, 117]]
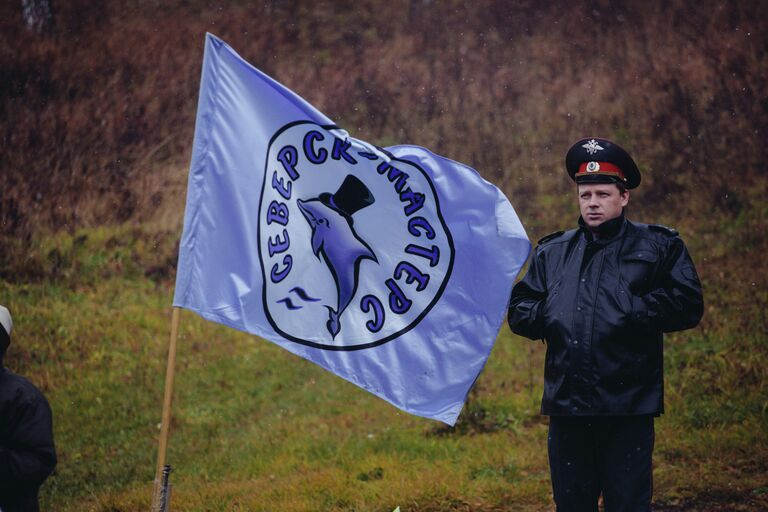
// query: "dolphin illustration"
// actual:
[[333, 235]]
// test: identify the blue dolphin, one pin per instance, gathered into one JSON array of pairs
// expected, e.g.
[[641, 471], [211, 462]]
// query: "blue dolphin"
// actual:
[[333, 235]]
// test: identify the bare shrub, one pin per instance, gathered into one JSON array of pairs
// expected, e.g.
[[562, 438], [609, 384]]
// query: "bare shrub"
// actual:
[[98, 117]]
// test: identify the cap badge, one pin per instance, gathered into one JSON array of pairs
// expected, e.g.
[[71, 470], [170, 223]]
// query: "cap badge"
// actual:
[[593, 166], [592, 147]]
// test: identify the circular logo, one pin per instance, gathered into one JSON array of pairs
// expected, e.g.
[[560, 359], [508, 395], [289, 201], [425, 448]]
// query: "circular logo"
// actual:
[[593, 167], [354, 250]]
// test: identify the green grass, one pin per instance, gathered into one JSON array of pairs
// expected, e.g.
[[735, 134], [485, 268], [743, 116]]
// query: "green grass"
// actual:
[[257, 428]]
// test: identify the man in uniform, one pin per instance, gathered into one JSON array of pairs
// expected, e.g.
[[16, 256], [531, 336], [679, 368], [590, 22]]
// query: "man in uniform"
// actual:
[[27, 454], [600, 296]]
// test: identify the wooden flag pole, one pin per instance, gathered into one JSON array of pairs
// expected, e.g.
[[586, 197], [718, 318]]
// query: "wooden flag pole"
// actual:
[[166, 421]]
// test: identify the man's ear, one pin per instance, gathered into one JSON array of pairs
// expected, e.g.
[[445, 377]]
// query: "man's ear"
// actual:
[[625, 198]]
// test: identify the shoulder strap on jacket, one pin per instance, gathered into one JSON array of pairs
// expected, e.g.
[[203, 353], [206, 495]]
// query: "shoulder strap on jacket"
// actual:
[[551, 236], [663, 229]]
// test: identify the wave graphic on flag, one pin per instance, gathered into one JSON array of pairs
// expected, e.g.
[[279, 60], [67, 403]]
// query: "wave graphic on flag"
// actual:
[[390, 267]]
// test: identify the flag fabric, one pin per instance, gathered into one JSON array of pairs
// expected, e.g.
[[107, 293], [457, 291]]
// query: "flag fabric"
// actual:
[[390, 267]]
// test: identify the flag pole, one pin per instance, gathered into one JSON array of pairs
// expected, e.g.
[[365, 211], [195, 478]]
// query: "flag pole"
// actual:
[[166, 420]]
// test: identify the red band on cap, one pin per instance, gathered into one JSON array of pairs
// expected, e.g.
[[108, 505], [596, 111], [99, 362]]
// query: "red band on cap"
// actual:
[[588, 168]]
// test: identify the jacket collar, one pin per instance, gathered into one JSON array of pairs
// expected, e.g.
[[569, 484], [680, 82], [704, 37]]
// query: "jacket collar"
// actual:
[[607, 231]]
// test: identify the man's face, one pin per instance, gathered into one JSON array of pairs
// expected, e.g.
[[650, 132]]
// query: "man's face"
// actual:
[[600, 202]]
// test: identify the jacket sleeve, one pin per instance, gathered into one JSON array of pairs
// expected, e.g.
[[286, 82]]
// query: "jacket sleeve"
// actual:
[[677, 302], [27, 454], [525, 314]]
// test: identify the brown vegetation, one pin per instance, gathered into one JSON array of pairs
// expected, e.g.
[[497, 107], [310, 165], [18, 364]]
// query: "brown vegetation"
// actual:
[[98, 115]]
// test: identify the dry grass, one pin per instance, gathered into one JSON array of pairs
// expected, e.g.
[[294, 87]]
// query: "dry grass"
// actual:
[[98, 116]]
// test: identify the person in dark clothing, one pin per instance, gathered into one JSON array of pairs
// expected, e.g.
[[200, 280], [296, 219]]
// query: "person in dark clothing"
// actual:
[[27, 453], [601, 296]]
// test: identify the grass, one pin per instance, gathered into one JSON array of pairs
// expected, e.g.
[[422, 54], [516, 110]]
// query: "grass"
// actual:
[[256, 428]]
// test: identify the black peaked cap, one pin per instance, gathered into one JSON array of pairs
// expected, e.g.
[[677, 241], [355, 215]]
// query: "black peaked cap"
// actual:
[[596, 149]]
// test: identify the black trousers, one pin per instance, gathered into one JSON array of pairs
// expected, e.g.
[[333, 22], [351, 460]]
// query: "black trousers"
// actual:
[[589, 455]]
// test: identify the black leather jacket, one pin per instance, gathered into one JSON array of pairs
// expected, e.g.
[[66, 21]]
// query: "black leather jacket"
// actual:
[[601, 305]]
